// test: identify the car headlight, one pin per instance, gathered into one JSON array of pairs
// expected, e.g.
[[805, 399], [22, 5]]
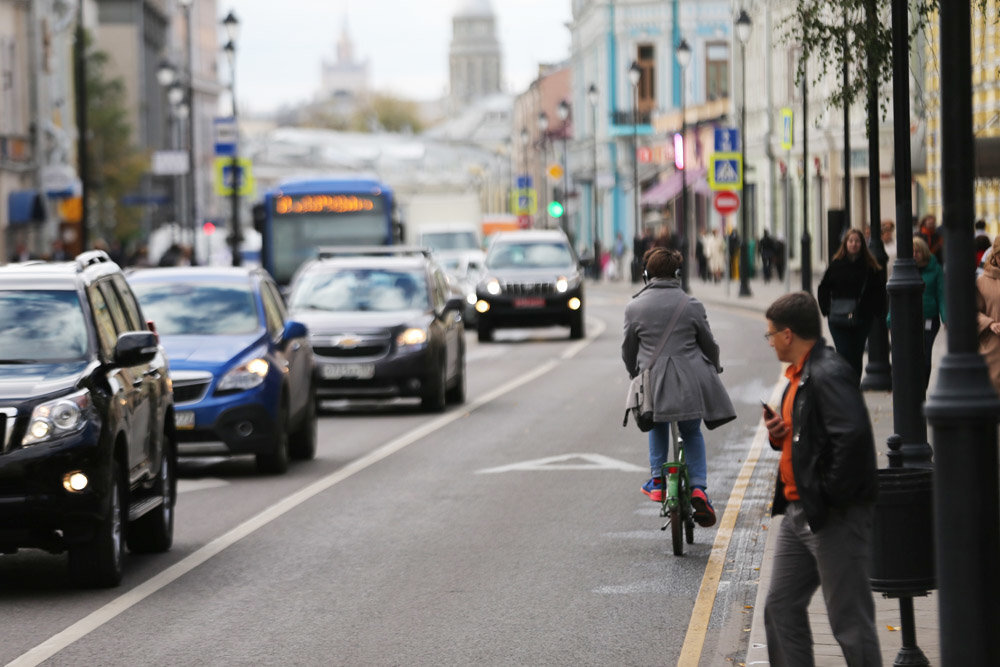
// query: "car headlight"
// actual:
[[245, 376], [412, 336], [57, 418], [493, 286], [471, 298], [562, 284]]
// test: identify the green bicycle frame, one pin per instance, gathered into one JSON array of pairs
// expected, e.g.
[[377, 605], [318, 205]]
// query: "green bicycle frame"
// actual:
[[673, 473]]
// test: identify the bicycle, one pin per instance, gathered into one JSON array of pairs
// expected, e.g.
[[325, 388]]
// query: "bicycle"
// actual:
[[676, 504]]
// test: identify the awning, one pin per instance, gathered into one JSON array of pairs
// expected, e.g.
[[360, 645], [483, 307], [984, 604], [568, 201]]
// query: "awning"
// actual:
[[670, 188], [24, 206]]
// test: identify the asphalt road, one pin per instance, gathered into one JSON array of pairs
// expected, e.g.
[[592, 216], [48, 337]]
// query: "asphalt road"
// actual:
[[509, 530]]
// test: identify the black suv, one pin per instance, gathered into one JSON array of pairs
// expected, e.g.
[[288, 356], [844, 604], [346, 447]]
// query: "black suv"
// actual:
[[382, 325], [532, 279], [87, 453]]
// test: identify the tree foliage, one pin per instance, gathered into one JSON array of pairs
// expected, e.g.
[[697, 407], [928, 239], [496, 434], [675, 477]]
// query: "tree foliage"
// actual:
[[115, 166], [832, 33], [381, 112]]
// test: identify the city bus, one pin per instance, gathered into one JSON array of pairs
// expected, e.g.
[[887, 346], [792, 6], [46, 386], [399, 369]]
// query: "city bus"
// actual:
[[297, 217]]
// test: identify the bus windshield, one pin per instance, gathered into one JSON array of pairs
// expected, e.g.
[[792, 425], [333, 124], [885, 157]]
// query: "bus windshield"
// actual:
[[296, 237]]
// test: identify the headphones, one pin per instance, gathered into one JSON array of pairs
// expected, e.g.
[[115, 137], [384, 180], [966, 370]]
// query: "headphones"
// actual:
[[645, 276]]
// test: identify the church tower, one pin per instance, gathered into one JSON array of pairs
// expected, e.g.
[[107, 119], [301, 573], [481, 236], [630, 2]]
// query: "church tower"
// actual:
[[474, 54]]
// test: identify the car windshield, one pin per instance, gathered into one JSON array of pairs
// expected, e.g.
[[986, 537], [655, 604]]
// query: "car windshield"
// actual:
[[529, 255], [198, 309], [347, 290], [41, 326]]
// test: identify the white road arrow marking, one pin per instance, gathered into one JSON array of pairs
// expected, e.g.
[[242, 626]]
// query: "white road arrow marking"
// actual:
[[567, 462]]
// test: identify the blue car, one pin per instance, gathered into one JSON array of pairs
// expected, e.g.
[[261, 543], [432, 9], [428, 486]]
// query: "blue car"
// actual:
[[241, 370]]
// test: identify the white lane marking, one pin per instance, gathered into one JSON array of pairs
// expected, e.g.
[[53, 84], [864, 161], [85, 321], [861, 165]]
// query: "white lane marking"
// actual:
[[109, 611], [581, 462], [189, 485]]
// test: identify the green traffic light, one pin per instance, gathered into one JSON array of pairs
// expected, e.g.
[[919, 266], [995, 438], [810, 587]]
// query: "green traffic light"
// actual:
[[555, 209]]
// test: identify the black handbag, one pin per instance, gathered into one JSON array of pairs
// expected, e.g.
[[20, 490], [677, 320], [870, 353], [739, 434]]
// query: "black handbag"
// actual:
[[639, 399], [846, 311]]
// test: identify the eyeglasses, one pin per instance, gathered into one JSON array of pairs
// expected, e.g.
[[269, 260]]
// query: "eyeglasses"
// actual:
[[768, 335]]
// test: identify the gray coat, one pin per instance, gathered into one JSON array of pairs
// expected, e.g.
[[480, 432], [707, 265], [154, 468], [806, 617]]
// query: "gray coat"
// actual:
[[685, 378]]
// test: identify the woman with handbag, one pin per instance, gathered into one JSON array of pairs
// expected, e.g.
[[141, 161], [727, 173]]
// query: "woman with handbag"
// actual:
[[667, 332], [851, 295]]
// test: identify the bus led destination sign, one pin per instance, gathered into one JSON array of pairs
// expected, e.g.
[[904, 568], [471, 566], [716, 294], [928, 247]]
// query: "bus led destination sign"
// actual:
[[299, 204]]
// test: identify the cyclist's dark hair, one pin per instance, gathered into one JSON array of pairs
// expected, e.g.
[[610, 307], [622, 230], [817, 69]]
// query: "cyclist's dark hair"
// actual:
[[662, 262], [798, 312]]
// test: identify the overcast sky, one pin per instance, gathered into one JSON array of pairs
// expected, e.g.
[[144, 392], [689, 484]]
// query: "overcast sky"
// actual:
[[283, 42]]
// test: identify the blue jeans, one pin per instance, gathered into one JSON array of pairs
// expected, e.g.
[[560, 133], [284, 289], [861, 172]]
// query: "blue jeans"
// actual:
[[694, 450]]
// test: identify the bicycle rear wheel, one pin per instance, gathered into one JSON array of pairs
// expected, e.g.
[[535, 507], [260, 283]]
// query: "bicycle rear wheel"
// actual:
[[677, 530]]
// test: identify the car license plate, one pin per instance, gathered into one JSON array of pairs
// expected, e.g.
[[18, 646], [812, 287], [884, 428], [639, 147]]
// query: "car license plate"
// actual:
[[184, 419], [529, 302], [353, 371]]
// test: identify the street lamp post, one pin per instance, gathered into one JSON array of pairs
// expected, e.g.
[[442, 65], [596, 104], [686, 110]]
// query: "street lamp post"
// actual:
[[743, 25], [232, 24], [687, 237], [563, 111], [168, 77], [192, 180], [543, 138], [634, 74], [806, 240], [592, 98]]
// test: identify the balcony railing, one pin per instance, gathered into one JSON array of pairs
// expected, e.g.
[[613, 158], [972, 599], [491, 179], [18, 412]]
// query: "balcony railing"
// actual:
[[630, 117]]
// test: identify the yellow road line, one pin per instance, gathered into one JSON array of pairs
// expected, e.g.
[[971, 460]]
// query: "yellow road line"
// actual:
[[694, 640]]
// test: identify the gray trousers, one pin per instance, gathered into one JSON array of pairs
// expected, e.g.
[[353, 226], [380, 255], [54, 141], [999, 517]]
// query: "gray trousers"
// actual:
[[836, 559]]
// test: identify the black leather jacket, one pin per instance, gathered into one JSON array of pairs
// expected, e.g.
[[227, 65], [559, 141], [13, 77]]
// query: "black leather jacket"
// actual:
[[833, 449]]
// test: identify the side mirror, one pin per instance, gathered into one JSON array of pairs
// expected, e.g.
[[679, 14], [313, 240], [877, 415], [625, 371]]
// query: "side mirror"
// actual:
[[134, 348], [294, 330], [259, 217]]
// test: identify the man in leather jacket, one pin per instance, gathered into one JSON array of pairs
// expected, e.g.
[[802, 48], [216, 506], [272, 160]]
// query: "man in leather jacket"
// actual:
[[827, 483]]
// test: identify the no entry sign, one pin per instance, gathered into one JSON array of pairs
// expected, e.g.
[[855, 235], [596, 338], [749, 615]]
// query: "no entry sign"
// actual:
[[726, 202]]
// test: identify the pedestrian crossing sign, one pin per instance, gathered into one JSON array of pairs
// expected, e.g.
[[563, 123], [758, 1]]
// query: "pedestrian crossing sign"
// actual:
[[725, 171]]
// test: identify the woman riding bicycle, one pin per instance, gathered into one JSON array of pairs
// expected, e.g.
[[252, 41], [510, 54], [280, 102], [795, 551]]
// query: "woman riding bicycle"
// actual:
[[685, 377]]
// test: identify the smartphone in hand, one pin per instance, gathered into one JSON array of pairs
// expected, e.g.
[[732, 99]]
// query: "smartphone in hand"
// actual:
[[768, 410]]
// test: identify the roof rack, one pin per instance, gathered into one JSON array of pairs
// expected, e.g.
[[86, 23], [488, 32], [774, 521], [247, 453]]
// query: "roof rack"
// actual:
[[329, 252], [90, 258]]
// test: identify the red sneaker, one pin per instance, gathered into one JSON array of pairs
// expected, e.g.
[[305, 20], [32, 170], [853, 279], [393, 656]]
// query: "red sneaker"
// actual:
[[704, 513]]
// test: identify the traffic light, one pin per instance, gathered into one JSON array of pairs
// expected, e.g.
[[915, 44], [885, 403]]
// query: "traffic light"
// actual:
[[556, 209], [208, 228], [678, 151]]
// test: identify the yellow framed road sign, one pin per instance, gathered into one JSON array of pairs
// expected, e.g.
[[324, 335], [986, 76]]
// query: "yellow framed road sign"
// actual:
[[787, 138], [224, 176], [524, 201], [725, 171]]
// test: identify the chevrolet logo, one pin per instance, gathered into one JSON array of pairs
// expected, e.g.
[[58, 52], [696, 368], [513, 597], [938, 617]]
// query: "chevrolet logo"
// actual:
[[346, 341]]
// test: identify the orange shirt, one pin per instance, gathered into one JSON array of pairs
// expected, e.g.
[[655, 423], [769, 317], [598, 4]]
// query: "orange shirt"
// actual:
[[794, 374]]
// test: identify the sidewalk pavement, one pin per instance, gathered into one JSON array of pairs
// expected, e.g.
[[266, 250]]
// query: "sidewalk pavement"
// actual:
[[880, 409]]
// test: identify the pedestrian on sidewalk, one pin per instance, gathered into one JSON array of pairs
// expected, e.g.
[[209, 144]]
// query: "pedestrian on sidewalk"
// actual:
[[988, 313], [855, 275], [934, 309], [826, 488], [684, 377]]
